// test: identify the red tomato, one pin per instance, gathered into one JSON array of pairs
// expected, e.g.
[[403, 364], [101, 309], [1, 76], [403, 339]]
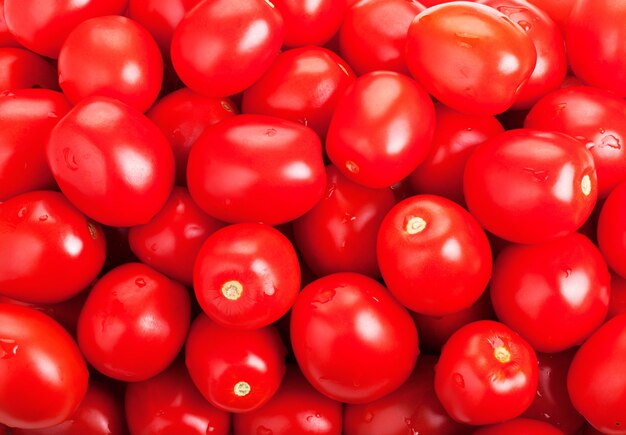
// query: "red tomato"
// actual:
[[456, 136], [433, 255], [240, 370], [21, 69], [246, 276], [43, 25], [221, 47], [596, 380], [111, 57], [253, 168], [50, 251], [133, 323], [411, 409], [43, 376], [26, 118], [612, 228], [6, 40], [617, 301], [310, 22], [302, 85], [170, 242], [482, 57], [486, 374], [111, 162], [520, 426], [296, 408], [595, 117], [530, 186], [352, 340], [182, 116], [559, 10], [381, 129], [170, 404]]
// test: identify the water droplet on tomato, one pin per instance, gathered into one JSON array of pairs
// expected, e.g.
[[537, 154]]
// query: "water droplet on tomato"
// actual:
[[8, 348], [43, 218], [70, 159], [153, 247], [610, 141], [539, 174], [457, 378], [22, 212], [7, 94], [368, 417], [210, 429], [325, 296], [262, 430], [467, 40], [270, 132], [140, 282], [524, 25]]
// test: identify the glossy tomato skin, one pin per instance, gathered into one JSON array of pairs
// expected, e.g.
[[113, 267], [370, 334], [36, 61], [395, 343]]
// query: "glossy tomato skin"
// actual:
[[302, 85], [246, 276], [381, 129], [235, 370], [412, 408], [483, 58], [182, 116], [113, 57], [42, 237], [310, 23], [20, 69], [373, 328], [6, 40], [26, 118], [486, 374], [170, 242], [456, 135], [611, 229], [43, 376], [559, 11], [42, 26], [519, 426], [170, 404], [530, 186], [596, 381], [222, 47], [277, 164], [296, 408], [133, 323], [111, 162], [433, 255], [596, 118]]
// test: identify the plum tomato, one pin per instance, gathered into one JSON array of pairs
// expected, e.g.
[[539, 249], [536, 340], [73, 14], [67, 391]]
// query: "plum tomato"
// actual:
[[20, 69], [433, 255], [235, 370], [486, 374], [530, 186], [558, 10], [381, 129], [246, 276], [352, 340], [50, 251], [310, 22], [519, 426], [612, 229]]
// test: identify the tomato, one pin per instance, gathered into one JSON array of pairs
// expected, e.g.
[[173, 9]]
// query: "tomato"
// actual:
[[253, 168], [111, 57], [433, 255], [611, 229], [170, 404], [235, 370], [43, 376], [111, 162], [596, 380], [42, 26], [246, 276], [456, 135], [373, 34], [311, 22], [381, 129], [530, 186], [302, 85], [559, 10], [221, 47], [520, 426], [412, 408], [617, 301], [486, 374], [42, 238], [26, 118], [182, 116], [21, 69], [351, 339], [133, 323], [296, 408], [170, 242], [596, 118], [6, 40]]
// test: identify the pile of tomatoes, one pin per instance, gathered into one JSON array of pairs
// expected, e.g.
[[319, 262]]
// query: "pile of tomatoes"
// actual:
[[266, 217]]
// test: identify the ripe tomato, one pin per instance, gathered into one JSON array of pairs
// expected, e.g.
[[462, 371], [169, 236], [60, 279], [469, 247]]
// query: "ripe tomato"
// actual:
[[253, 168], [519, 426], [352, 340], [559, 10], [221, 47], [43, 376], [6, 40], [246, 276], [530, 186], [239, 370], [42, 238], [617, 301], [486, 374], [612, 228], [381, 129], [310, 22], [433, 255], [21, 69], [133, 323], [111, 162]]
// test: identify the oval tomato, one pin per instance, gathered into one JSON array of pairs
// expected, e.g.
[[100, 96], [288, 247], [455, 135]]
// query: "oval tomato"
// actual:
[[21, 69], [312, 22]]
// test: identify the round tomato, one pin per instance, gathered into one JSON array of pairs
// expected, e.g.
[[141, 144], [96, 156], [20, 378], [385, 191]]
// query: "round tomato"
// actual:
[[612, 228], [559, 10], [520, 426], [6, 40], [310, 22], [21, 69]]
